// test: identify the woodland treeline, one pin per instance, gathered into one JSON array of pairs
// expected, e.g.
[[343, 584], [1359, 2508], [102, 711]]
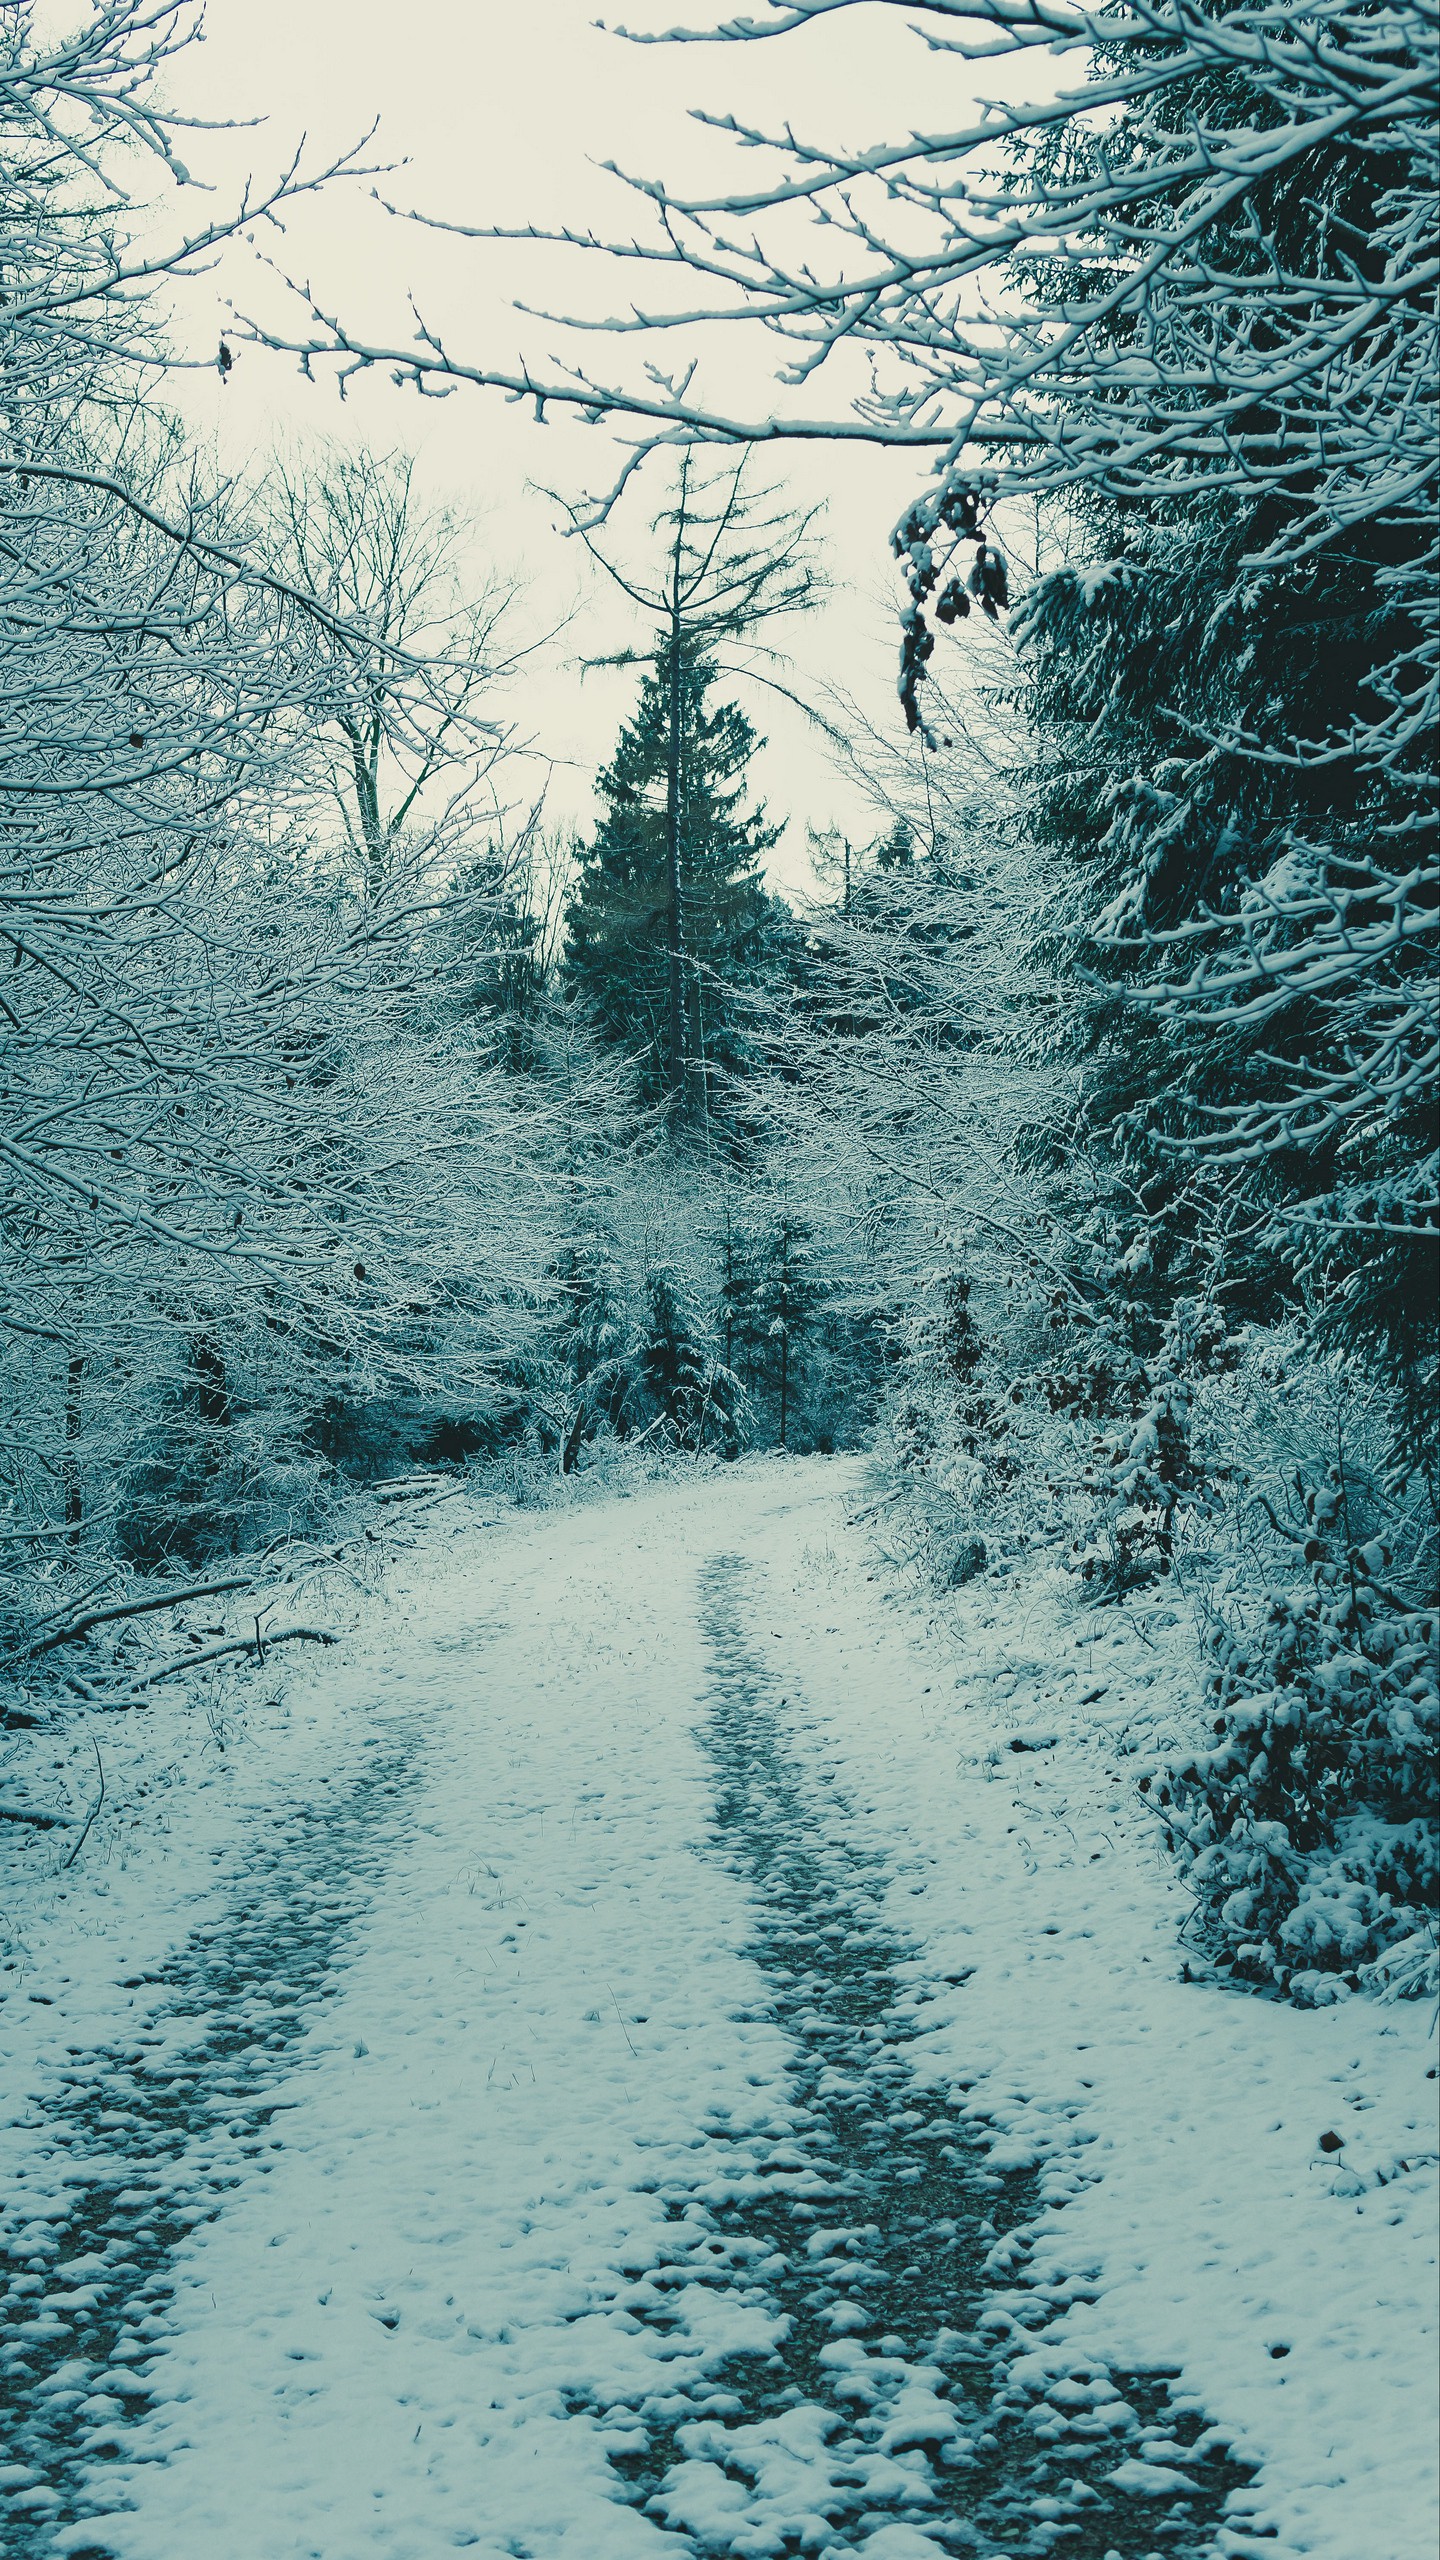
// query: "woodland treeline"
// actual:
[[1072, 1146]]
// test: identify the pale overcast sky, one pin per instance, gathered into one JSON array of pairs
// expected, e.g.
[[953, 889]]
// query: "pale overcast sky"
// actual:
[[505, 114]]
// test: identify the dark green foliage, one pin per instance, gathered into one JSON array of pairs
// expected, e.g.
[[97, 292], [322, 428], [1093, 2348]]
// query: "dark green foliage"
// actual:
[[498, 962], [1233, 767], [1309, 1830], [737, 1309], [788, 1302], [810, 1358], [618, 925], [369, 1436], [679, 1383], [896, 849], [594, 1333]]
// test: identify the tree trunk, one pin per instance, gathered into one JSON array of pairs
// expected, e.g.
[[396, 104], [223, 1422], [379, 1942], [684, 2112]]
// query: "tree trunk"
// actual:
[[675, 1057], [365, 764], [212, 1384], [784, 1330], [70, 1470]]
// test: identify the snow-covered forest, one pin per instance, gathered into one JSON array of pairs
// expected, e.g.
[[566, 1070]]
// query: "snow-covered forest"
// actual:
[[1046, 1164]]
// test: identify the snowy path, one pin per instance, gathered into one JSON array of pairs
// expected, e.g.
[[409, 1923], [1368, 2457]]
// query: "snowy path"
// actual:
[[540, 2151]]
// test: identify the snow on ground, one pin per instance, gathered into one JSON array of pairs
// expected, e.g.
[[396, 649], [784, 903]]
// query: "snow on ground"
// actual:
[[438, 2019], [1183, 2127]]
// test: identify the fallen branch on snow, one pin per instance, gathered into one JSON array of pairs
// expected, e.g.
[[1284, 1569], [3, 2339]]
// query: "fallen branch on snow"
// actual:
[[75, 1628], [41, 1821], [258, 1645], [79, 1627]]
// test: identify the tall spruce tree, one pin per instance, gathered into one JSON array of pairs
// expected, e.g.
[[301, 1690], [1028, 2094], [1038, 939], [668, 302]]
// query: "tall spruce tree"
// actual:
[[620, 939], [674, 871]]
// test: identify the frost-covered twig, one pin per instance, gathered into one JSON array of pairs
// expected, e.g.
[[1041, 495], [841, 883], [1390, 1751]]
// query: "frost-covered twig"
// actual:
[[94, 1809]]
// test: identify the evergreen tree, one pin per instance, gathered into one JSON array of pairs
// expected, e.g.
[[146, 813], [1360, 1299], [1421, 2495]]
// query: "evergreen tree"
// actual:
[[1231, 685], [696, 1398], [499, 959], [737, 1311], [789, 1296], [896, 849], [731, 563], [1266, 1093], [594, 1332], [618, 927]]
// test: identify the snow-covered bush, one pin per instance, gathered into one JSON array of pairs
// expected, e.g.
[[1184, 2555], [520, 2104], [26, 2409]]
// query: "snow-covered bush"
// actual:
[[1145, 1476], [945, 1424], [206, 1486], [1029, 1415], [1309, 1828]]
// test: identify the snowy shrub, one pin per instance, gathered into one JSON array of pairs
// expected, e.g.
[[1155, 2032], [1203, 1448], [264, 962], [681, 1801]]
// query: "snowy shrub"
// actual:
[[205, 1486], [1029, 1411], [1309, 1829], [1145, 1476], [949, 1424]]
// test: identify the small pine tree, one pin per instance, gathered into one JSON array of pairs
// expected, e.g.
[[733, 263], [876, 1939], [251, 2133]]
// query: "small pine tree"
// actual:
[[790, 1294], [673, 877], [594, 1332], [1144, 1475], [695, 1398], [737, 1311], [951, 1423]]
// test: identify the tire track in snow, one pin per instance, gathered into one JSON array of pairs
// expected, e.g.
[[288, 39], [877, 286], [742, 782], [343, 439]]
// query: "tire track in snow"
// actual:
[[145, 2141], [885, 2419]]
